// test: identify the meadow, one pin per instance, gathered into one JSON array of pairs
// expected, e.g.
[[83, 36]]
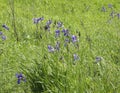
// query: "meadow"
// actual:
[[60, 46]]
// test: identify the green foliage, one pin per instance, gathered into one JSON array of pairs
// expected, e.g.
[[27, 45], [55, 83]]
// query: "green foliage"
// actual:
[[96, 26]]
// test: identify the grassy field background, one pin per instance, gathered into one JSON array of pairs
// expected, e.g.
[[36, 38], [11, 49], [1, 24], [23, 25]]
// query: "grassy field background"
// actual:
[[96, 23]]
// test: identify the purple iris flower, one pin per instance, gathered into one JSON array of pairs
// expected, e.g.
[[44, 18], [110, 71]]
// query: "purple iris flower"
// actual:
[[66, 42], [3, 37], [66, 32], [59, 24], [112, 14], [50, 48], [74, 38], [109, 5], [75, 56], [1, 33], [103, 9], [118, 15], [49, 22], [57, 47], [57, 33], [20, 77], [5, 26], [37, 20], [98, 59], [47, 27]]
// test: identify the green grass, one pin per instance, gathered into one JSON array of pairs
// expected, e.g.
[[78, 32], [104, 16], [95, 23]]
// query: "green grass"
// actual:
[[44, 71]]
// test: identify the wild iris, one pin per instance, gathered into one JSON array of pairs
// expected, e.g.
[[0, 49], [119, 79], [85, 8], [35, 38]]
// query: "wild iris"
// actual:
[[74, 38], [37, 20], [5, 26], [20, 77]]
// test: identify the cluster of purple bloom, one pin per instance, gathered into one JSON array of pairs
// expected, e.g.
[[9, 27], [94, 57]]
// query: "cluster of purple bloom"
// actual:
[[67, 37], [59, 32], [109, 6], [113, 13]]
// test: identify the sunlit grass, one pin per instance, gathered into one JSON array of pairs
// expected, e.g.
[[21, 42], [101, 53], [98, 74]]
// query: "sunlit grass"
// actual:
[[58, 72]]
